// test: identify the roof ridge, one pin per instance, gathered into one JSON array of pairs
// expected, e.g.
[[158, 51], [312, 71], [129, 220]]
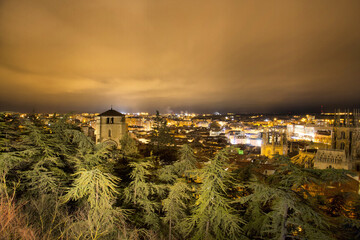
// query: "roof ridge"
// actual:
[[111, 112]]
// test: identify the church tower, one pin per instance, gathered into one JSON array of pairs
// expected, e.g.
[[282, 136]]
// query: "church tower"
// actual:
[[346, 135], [345, 151], [274, 142], [110, 127]]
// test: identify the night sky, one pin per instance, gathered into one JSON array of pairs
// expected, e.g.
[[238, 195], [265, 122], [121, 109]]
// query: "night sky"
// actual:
[[197, 56]]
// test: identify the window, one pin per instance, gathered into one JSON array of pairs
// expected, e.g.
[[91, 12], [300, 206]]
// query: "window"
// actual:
[[109, 133], [342, 135], [342, 146], [109, 120]]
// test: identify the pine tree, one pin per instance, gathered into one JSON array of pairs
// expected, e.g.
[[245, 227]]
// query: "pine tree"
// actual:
[[44, 151], [160, 136], [175, 208], [184, 167], [142, 194], [97, 188], [162, 141], [128, 146], [11, 146], [186, 163], [213, 216], [283, 205], [282, 213], [37, 153], [175, 179]]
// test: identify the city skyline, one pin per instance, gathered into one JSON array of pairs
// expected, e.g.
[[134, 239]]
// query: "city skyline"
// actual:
[[203, 57]]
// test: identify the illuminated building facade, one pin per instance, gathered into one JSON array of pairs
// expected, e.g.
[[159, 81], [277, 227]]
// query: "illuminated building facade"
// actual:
[[310, 132], [244, 137], [274, 142], [331, 159], [110, 127], [345, 142]]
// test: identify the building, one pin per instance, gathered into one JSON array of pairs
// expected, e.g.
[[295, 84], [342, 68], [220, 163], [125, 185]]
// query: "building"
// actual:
[[88, 131], [331, 159], [274, 142], [310, 133], [345, 143], [110, 127]]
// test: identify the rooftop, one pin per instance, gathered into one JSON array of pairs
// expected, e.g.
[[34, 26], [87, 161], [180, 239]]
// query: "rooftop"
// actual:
[[111, 113]]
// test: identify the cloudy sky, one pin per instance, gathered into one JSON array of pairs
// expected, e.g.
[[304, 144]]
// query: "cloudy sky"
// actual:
[[202, 56]]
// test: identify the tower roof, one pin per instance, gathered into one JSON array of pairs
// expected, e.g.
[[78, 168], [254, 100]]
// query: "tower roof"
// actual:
[[111, 113]]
